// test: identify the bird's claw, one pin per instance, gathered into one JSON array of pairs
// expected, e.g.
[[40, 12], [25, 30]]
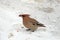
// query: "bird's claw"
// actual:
[[28, 29]]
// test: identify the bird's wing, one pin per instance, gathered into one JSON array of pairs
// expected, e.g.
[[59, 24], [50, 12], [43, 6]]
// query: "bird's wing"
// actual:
[[35, 22]]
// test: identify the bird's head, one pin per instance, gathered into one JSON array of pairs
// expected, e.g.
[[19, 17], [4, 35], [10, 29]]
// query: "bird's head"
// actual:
[[24, 15]]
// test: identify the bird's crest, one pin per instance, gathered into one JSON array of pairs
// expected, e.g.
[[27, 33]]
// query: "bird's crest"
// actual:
[[24, 15]]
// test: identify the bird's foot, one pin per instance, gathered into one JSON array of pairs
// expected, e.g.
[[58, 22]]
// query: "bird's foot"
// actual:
[[28, 29], [32, 31]]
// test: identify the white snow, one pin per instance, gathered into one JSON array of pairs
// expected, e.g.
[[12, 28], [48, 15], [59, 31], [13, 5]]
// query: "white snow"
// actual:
[[11, 27]]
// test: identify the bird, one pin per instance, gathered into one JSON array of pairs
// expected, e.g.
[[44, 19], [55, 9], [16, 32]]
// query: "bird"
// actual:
[[30, 23]]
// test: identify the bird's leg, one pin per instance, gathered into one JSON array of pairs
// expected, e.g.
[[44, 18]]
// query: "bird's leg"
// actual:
[[28, 29], [33, 31]]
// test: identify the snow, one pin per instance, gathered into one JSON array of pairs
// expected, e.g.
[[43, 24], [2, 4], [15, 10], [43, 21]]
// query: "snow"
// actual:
[[46, 12]]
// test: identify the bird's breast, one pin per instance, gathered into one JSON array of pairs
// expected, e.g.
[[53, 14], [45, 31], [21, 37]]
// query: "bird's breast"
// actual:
[[26, 24]]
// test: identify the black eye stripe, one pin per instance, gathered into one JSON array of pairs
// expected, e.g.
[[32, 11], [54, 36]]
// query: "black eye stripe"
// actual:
[[23, 16]]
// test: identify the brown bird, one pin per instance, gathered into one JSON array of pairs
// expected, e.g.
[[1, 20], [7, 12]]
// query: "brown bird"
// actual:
[[30, 23]]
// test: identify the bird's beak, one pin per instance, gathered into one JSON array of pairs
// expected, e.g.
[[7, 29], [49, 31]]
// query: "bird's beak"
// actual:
[[43, 26], [20, 15]]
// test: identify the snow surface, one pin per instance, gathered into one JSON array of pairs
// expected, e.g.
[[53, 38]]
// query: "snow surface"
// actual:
[[46, 12]]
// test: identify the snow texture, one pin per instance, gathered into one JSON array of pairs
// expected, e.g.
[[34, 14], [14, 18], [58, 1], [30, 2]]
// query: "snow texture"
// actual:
[[44, 11]]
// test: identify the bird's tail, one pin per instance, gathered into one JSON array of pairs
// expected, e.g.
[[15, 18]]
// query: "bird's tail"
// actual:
[[41, 25]]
